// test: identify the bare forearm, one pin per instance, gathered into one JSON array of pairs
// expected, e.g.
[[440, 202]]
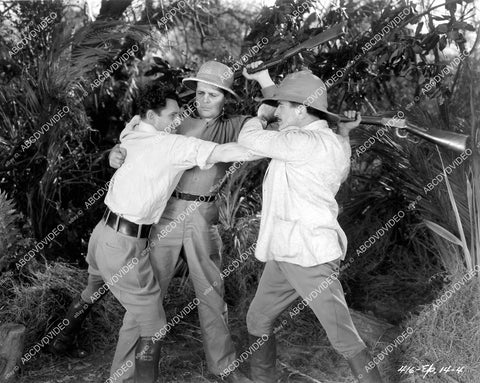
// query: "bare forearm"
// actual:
[[344, 132]]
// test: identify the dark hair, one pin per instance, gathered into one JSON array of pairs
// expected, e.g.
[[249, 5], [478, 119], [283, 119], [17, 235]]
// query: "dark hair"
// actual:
[[154, 97]]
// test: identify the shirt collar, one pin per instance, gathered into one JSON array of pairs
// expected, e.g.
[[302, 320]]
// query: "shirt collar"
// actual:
[[145, 127]]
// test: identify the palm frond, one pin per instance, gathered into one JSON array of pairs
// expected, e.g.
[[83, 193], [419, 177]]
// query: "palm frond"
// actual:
[[58, 78]]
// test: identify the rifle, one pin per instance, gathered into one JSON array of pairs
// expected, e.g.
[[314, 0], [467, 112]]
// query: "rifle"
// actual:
[[455, 141], [332, 33], [336, 31]]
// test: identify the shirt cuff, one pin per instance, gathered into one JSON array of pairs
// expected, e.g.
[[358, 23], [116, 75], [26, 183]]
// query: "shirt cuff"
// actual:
[[204, 151]]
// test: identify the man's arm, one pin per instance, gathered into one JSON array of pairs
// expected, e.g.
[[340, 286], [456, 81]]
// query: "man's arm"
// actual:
[[262, 77], [231, 152], [188, 152], [281, 145]]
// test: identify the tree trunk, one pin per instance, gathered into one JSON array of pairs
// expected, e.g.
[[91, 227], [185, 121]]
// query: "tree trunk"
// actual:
[[12, 337]]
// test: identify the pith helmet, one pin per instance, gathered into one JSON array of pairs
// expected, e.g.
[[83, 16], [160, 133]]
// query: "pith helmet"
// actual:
[[304, 88], [213, 73]]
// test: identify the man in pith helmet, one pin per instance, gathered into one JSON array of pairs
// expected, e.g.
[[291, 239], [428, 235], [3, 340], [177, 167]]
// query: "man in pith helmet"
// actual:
[[300, 238]]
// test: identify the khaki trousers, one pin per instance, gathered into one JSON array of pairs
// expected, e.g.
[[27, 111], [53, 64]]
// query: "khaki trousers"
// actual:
[[191, 226], [117, 259], [282, 283]]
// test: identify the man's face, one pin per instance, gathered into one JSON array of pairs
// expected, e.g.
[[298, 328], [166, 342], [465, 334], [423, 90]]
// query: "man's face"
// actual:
[[168, 117], [210, 100], [286, 114]]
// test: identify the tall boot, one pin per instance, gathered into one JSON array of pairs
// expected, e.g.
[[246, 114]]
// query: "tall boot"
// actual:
[[263, 360], [359, 366], [147, 356], [63, 342]]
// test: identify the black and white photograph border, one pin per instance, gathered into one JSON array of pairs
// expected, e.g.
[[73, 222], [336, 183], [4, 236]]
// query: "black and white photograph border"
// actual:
[[313, 214]]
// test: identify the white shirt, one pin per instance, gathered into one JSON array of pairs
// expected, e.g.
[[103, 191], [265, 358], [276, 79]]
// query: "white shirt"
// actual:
[[140, 188], [299, 211]]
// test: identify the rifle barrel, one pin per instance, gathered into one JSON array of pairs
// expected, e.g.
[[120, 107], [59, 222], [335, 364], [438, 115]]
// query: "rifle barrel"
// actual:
[[454, 141]]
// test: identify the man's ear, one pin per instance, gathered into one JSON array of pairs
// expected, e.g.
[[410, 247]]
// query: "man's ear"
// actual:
[[301, 110], [150, 115]]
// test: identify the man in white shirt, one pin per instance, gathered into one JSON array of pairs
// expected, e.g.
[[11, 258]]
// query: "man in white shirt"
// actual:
[[300, 238], [137, 196]]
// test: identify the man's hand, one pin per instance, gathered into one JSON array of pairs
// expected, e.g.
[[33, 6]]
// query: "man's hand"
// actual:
[[266, 112], [117, 156], [262, 77], [344, 128]]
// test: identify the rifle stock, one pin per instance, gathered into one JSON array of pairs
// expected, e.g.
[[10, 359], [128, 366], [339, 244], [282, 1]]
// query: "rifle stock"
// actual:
[[454, 141]]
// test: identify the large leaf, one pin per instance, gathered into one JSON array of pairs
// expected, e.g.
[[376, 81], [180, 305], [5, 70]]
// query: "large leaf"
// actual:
[[451, 195], [442, 232]]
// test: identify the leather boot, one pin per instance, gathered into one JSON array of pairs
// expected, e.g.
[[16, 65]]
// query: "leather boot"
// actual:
[[147, 356], [63, 344], [361, 370], [263, 360]]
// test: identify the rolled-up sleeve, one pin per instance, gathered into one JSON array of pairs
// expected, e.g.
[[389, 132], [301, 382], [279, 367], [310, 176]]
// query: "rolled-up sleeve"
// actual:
[[282, 145], [190, 151]]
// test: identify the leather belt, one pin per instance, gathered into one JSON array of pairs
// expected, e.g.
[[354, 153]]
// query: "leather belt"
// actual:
[[125, 226], [193, 197]]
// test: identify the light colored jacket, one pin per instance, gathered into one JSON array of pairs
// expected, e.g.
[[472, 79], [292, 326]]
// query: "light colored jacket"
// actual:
[[299, 212]]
